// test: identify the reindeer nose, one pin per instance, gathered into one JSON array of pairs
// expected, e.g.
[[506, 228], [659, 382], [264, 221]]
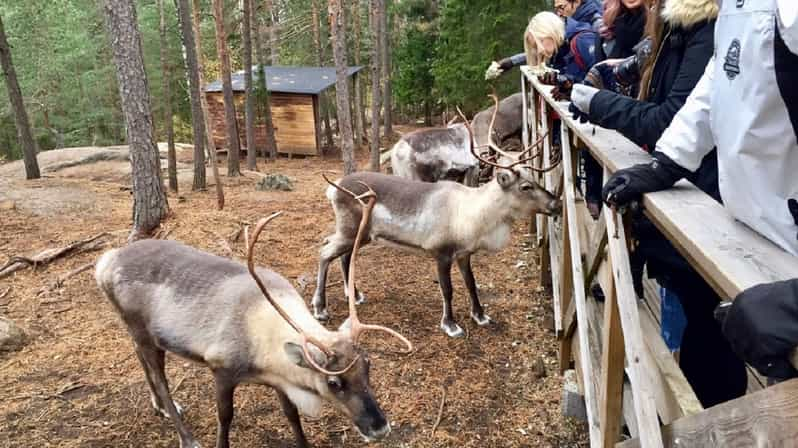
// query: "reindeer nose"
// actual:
[[555, 207]]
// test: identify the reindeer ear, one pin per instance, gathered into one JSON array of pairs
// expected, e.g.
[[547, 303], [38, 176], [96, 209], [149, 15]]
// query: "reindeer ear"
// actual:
[[505, 178], [297, 356]]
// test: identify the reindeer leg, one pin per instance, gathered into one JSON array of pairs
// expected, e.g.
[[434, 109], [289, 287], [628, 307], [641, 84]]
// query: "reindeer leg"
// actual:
[[345, 259], [155, 400], [448, 325], [225, 388], [290, 411], [153, 358], [477, 313], [334, 247]]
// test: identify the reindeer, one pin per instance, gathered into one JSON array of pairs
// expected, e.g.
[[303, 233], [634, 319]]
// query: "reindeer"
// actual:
[[445, 220], [211, 310], [437, 154]]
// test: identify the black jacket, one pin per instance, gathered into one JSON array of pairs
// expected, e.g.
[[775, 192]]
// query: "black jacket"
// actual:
[[678, 67], [628, 30]]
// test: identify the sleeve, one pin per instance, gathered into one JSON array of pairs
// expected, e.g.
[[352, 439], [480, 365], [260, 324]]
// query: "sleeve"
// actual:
[[644, 122], [689, 137], [788, 23], [512, 61]]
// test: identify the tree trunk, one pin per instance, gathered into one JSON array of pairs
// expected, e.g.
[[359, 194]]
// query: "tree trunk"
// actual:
[[374, 164], [233, 145], [166, 93], [149, 199], [338, 31], [249, 110], [324, 104], [274, 23], [360, 116], [197, 117], [386, 67], [271, 141], [206, 116], [17, 103]]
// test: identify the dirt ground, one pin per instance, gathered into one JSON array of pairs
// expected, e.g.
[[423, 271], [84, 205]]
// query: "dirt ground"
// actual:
[[78, 383]]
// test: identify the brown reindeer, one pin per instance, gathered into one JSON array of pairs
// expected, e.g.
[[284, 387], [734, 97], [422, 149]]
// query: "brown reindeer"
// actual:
[[247, 325], [445, 220]]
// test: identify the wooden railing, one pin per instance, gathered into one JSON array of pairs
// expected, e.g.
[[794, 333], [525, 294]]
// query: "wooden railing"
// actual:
[[622, 334]]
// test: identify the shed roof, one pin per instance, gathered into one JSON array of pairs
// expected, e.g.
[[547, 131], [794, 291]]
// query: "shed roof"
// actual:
[[305, 80]]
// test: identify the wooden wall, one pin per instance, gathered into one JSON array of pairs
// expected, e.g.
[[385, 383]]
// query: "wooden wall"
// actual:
[[295, 122]]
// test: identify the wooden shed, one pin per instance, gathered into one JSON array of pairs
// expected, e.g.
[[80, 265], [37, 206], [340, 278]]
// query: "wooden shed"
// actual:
[[295, 107]]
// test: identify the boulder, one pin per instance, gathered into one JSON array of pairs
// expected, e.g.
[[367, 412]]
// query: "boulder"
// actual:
[[278, 182], [12, 338]]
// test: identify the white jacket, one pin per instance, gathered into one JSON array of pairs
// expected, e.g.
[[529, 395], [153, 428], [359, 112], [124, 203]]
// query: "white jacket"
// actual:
[[742, 107]]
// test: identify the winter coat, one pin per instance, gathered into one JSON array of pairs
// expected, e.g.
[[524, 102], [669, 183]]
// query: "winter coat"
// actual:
[[746, 104], [686, 49], [575, 57], [590, 12], [628, 30]]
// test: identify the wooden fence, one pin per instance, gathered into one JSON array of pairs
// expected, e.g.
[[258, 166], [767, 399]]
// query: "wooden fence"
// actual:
[[622, 334]]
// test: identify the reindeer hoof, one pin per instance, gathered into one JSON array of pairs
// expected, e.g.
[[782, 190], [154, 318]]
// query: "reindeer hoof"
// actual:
[[481, 320], [361, 298], [321, 315], [452, 330], [190, 443]]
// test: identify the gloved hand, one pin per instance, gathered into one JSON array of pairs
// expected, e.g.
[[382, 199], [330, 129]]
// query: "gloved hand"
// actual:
[[601, 76], [494, 71], [562, 85], [577, 114], [582, 95], [762, 327], [629, 184], [627, 72]]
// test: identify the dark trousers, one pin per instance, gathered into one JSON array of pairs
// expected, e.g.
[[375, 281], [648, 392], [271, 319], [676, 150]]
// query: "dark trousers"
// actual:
[[715, 373]]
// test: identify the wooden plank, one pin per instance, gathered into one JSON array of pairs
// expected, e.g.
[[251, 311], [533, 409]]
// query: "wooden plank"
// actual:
[[611, 396], [765, 418], [577, 278], [566, 293], [597, 251], [645, 407]]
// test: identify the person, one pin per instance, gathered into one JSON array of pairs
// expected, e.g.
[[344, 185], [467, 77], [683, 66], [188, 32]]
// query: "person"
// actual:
[[578, 15], [746, 105], [761, 325], [585, 11], [622, 29]]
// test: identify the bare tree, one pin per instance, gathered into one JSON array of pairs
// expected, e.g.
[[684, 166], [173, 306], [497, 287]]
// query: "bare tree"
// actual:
[[338, 31], [266, 106], [324, 105], [233, 145], [274, 36], [376, 64], [360, 117], [149, 199], [166, 81], [24, 133], [197, 117], [206, 116], [385, 46], [249, 109]]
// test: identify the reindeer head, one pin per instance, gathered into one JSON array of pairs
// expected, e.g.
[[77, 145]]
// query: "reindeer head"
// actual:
[[515, 175], [340, 368]]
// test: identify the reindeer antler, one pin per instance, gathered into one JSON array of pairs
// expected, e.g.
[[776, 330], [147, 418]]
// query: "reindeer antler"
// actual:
[[495, 147], [367, 199], [306, 339]]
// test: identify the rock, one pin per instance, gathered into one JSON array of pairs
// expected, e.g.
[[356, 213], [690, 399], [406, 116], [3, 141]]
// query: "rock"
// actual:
[[12, 338], [539, 368], [573, 403], [279, 182]]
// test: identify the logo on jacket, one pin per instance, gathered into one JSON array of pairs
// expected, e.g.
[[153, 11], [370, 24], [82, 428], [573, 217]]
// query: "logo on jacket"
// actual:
[[732, 64], [740, 3]]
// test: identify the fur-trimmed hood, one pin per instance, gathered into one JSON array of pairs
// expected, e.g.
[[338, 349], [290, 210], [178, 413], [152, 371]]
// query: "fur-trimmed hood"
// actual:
[[686, 13]]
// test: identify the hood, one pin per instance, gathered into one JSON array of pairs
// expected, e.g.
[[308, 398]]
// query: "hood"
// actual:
[[588, 11], [572, 27], [686, 13]]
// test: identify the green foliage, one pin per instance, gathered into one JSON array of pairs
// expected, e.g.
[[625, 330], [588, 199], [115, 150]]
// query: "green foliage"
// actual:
[[472, 33], [415, 53]]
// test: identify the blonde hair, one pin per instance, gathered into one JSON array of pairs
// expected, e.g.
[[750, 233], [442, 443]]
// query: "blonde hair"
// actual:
[[544, 24]]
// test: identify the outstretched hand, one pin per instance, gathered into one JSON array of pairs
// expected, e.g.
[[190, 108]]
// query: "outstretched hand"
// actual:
[[493, 71]]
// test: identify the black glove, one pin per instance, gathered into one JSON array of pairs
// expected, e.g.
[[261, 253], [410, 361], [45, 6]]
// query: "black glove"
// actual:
[[627, 73], [562, 85], [628, 184], [577, 114], [762, 327]]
